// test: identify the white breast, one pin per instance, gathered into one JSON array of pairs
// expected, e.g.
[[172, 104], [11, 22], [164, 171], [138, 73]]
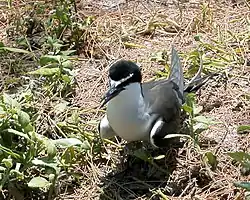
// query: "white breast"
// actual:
[[127, 114]]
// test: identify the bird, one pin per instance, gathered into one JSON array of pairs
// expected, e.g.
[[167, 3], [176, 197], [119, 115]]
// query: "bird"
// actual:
[[147, 111]]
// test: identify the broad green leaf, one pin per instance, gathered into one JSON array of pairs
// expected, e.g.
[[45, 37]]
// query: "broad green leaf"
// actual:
[[67, 142], [23, 118], [46, 59], [60, 107], [197, 38], [75, 119], [45, 163], [13, 131], [7, 99], [29, 128], [67, 53], [70, 72], [199, 127], [85, 145], [212, 160], [197, 109], [15, 50], [67, 64], [7, 162], [51, 148], [243, 128], [45, 71], [244, 185], [240, 156], [38, 182], [203, 119]]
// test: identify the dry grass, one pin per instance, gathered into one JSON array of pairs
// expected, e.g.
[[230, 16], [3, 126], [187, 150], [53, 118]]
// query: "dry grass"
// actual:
[[125, 31], [135, 30]]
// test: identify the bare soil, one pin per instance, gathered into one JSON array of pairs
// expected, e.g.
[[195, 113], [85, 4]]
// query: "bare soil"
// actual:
[[122, 176]]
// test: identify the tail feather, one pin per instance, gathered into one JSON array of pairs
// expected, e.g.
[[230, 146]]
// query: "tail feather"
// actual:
[[176, 74]]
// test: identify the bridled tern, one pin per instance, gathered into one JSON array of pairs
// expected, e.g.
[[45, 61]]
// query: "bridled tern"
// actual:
[[143, 111]]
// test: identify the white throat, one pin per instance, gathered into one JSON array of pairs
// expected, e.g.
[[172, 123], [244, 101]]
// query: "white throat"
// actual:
[[127, 114]]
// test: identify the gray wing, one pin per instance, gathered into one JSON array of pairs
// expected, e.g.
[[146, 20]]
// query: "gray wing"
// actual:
[[165, 106], [163, 96]]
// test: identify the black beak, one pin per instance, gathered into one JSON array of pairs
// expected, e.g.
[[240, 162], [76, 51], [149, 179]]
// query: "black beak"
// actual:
[[111, 93]]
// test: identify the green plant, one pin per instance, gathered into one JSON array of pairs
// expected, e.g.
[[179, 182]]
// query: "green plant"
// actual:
[[243, 159], [57, 70], [26, 157]]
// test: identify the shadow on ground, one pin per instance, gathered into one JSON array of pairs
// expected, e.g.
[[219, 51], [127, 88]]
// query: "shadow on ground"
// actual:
[[141, 178]]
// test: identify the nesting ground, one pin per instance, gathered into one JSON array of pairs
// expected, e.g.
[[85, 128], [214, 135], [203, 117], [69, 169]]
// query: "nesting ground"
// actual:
[[144, 31], [136, 30]]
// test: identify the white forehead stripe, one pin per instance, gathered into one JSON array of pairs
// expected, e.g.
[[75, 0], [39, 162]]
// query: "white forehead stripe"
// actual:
[[116, 83]]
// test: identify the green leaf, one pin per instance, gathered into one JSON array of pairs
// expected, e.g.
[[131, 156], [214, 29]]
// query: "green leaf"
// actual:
[[158, 56], [141, 154], [244, 185], [46, 59], [15, 50], [203, 119], [187, 108], [85, 145], [38, 182], [29, 128], [7, 162], [243, 128], [45, 71], [23, 118], [212, 159], [197, 38], [67, 53], [197, 109], [67, 142], [51, 148], [199, 127], [7, 99], [67, 64], [240, 156], [10, 152], [66, 78], [52, 177], [60, 107], [46, 163], [17, 174], [13, 131]]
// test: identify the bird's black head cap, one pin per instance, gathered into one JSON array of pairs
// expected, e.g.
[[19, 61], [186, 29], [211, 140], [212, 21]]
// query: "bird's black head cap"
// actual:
[[121, 74], [125, 71]]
